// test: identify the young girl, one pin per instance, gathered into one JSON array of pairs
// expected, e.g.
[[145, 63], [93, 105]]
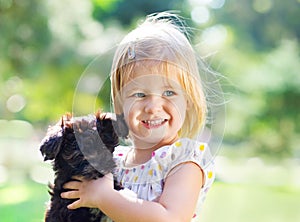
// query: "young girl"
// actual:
[[156, 88]]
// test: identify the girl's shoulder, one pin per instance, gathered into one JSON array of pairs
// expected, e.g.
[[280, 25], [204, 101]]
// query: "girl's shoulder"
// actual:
[[184, 150], [189, 151]]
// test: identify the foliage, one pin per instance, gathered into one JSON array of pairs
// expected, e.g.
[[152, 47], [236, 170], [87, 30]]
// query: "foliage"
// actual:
[[46, 47], [34, 64], [263, 116], [43, 48], [24, 38], [263, 63], [126, 11], [259, 26]]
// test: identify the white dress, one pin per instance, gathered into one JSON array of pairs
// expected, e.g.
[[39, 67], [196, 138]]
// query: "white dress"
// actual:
[[147, 180]]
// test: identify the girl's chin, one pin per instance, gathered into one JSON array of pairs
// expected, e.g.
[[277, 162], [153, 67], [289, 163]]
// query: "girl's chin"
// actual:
[[156, 133], [151, 139]]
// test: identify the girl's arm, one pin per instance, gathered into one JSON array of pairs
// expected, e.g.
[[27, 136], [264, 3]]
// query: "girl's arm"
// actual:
[[177, 202]]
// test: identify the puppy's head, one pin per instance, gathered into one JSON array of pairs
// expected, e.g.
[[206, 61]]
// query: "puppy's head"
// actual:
[[82, 141], [52, 142]]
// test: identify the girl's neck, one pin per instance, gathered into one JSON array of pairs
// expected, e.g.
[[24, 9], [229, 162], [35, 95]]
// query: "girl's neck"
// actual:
[[138, 156]]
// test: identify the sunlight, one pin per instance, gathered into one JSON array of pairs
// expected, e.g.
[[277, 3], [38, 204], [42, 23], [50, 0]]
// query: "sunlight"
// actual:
[[13, 195], [15, 103], [200, 14], [215, 36], [42, 175], [3, 174], [262, 6], [214, 4], [15, 129]]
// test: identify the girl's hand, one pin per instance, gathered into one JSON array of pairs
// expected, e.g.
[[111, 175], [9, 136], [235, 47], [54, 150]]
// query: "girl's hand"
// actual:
[[88, 192]]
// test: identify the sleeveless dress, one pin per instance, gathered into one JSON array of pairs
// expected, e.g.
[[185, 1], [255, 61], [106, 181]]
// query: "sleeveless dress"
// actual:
[[147, 180]]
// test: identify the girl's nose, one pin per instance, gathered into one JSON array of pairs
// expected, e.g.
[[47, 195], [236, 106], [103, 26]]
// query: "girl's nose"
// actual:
[[153, 104]]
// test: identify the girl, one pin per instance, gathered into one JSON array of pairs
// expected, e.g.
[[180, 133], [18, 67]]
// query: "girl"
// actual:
[[156, 88]]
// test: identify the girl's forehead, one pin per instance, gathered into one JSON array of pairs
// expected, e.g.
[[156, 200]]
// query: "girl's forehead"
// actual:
[[152, 75], [157, 70], [153, 79], [149, 80]]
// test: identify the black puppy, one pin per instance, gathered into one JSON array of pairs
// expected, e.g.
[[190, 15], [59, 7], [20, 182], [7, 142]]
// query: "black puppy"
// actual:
[[79, 146]]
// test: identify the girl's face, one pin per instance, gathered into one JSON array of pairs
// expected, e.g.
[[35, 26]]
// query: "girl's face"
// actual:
[[154, 108]]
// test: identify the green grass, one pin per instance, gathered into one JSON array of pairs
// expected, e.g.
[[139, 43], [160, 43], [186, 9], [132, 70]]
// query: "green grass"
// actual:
[[252, 203], [225, 202], [23, 202]]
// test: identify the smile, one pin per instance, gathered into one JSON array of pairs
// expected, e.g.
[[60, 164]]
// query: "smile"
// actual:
[[154, 123]]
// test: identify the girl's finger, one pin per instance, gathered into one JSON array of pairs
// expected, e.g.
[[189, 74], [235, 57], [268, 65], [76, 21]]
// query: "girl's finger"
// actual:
[[78, 178], [109, 176], [74, 194], [72, 185], [74, 205]]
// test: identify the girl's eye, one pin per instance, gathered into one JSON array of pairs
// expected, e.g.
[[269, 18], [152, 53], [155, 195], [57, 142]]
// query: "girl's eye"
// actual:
[[169, 93], [139, 95]]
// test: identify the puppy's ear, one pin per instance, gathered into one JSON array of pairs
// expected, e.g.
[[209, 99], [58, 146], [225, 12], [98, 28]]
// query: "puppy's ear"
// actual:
[[120, 126], [51, 144]]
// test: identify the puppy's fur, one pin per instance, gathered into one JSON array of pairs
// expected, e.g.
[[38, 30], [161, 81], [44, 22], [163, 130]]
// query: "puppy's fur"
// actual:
[[78, 146]]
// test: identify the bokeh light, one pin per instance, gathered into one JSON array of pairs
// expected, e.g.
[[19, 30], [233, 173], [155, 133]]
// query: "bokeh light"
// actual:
[[15, 103], [262, 6], [215, 36], [200, 14], [217, 4]]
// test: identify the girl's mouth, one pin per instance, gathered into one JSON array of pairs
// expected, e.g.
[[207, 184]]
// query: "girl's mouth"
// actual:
[[151, 124]]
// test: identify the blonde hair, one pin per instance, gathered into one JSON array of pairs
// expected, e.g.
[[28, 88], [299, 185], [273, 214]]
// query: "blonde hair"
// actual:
[[160, 44]]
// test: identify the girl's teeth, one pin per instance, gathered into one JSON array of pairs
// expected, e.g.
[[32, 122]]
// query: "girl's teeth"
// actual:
[[154, 122]]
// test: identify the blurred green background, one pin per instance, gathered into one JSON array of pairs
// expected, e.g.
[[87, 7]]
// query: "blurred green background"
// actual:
[[45, 47]]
